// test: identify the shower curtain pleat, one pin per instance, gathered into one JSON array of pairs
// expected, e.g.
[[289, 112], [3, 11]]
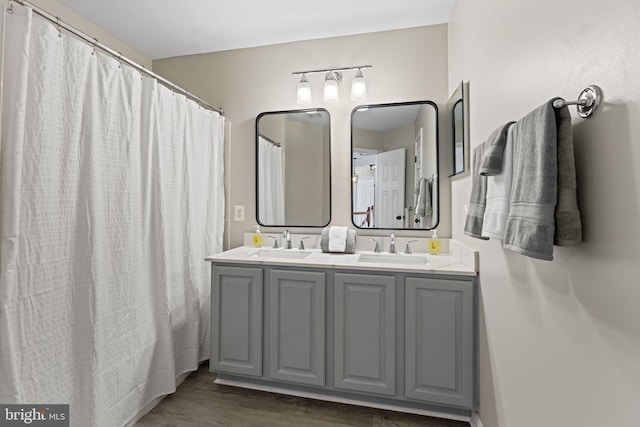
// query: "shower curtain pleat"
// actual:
[[111, 197], [271, 208]]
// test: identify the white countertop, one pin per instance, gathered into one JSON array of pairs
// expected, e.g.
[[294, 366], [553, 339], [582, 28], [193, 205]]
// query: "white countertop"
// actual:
[[434, 264]]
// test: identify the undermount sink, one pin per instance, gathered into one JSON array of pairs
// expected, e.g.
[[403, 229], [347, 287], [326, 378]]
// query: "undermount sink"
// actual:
[[282, 253], [404, 259]]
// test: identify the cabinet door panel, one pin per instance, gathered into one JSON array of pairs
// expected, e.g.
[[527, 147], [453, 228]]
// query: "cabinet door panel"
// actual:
[[297, 326], [439, 341], [365, 336], [236, 327]]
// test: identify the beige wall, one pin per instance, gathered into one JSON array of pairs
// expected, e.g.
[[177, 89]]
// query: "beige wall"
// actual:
[[305, 174], [273, 127], [369, 139], [409, 65], [67, 15], [559, 340]]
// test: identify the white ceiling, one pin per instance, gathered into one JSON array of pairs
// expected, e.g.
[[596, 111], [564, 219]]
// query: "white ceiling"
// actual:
[[162, 29]]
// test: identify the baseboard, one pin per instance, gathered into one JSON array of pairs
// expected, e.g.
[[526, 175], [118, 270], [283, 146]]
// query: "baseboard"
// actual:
[[475, 420], [336, 399]]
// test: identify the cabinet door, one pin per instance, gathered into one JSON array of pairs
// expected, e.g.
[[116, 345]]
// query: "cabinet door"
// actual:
[[236, 320], [297, 326], [439, 341], [365, 333]]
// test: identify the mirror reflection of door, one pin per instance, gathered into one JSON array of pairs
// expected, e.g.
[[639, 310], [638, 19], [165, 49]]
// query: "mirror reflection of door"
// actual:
[[395, 166], [390, 175], [365, 163]]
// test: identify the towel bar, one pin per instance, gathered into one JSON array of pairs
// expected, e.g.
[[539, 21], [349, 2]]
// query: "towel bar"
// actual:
[[587, 102]]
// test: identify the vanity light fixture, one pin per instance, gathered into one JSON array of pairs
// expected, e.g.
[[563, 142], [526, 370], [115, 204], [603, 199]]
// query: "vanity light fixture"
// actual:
[[359, 87], [331, 82], [333, 78], [304, 91]]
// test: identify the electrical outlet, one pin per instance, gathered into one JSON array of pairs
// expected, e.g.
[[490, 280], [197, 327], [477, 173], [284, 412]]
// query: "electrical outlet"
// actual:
[[238, 212]]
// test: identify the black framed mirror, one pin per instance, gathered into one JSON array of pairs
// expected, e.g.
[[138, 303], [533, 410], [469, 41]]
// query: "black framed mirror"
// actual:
[[293, 168], [394, 170]]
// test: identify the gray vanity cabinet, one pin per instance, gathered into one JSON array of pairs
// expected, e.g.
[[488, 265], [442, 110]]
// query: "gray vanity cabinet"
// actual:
[[236, 324], [365, 333], [439, 341], [297, 326], [386, 337]]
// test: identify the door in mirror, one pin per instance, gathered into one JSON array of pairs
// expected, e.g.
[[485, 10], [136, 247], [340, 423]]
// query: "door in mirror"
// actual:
[[394, 174]]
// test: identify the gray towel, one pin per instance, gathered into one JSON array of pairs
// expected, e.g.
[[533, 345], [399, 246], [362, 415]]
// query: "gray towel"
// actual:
[[423, 202], [478, 198], [530, 225], [350, 247], [567, 217], [494, 151]]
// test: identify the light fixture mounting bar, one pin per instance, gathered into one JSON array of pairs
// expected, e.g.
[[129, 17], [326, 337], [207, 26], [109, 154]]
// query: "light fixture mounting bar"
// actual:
[[326, 70]]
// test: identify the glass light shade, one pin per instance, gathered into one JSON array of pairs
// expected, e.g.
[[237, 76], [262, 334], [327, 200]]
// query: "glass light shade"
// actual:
[[331, 89], [303, 91], [359, 87]]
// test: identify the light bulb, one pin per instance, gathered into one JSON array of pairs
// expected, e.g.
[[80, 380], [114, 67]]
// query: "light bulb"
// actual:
[[303, 91], [359, 87], [331, 93]]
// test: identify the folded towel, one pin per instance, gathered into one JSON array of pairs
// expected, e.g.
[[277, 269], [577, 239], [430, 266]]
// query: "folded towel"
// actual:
[[530, 225], [423, 203], [567, 216], [494, 151], [498, 193], [478, 198], [350, 245], [337, 238]]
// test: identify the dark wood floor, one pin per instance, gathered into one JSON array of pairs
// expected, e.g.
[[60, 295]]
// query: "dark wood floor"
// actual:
[[200, 402]]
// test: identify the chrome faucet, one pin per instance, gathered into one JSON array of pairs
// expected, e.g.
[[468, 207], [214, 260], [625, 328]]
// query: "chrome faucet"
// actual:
[[376, 249], [287, 239], [407, 249], [392, 244], [301, 247]]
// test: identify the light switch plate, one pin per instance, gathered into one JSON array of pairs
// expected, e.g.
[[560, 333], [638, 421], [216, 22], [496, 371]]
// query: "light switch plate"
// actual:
[[238, 212]]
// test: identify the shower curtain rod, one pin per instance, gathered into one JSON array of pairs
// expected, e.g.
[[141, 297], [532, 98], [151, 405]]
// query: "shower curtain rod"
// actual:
[[95, 43], [277, 144]]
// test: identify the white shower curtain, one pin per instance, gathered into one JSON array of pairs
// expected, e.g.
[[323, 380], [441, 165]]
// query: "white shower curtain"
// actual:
[[111, 196], [270, 183]]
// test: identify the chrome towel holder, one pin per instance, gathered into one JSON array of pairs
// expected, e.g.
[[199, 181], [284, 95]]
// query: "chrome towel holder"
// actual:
[[587, 102]]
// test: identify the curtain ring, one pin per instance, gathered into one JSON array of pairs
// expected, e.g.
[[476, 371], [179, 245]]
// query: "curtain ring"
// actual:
[[58, 27], [10, 8], [95, 42]]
